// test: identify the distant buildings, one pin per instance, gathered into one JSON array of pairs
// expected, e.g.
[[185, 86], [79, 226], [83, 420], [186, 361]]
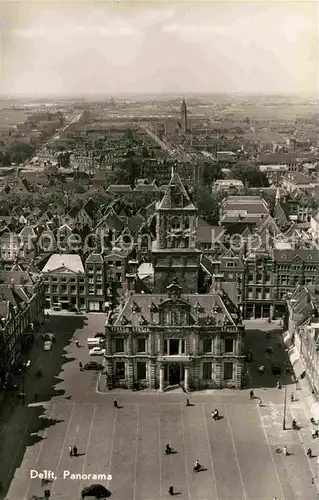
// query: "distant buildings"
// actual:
[[240, 212]]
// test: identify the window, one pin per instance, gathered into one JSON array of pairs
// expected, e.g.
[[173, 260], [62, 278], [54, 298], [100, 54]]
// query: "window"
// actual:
[[259, 278], [207, 345], [141, 345], [119, 345], [141, 370], [259, 293], [229, 345], [284, 279], [230, 264], [250, 278], [176, 223], [267, 293], [207, 371], [118, 263], [91, 290], [295, 280], [91, 280], [250, 293], [118, 277], [267, 278], [120, 370], [228, 370], [99, 291]]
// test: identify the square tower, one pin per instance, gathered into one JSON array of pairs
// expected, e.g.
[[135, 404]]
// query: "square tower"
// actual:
[[174, 252]]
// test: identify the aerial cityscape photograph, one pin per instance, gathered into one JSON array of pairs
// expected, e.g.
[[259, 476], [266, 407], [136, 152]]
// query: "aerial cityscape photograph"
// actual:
[[159, 250]]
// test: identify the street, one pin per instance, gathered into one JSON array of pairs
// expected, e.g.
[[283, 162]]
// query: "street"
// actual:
[[238, 452]]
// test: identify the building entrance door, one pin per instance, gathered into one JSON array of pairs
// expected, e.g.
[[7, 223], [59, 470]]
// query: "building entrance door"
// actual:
[[175, 371]]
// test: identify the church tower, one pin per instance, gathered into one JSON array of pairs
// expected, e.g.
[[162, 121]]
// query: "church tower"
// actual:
[[184, 124], [174, 252]]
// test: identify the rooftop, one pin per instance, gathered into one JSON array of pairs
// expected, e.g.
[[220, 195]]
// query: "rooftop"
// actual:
[[67, 262]]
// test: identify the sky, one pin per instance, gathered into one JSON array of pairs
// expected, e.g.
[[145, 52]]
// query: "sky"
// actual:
[[125, 46]]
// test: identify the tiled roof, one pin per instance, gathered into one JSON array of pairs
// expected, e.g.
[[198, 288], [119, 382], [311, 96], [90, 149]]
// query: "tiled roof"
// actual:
[[94, 258], [119, 188], [305, 255], [175, 188], [201, 306], [72, 262]]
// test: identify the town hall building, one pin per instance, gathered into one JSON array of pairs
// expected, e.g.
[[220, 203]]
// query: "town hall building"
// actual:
[[175, 335]]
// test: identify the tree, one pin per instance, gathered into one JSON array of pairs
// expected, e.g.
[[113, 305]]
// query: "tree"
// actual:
[[207, 204], [211, 172], [249, 174]]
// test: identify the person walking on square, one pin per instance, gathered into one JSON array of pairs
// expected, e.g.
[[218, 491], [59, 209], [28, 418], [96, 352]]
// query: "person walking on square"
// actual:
[[171, 490], [115, 403], [75, 451], [81, 365], [284, 450], [251, 394], [70, 451], [292, 397]]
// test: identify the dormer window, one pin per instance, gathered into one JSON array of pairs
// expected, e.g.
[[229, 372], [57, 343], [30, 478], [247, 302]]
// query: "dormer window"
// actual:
[[153, 308], [142, 320], [135, 307]]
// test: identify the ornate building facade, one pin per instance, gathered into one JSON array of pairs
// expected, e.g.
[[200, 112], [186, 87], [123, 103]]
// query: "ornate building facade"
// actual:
[[175, 335]]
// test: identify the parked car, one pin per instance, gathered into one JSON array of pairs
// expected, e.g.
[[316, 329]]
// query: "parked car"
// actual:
[[47, 345], [93, 365], [99, 335], [95, 490], [275, 369], [49, 336], [57, 307], [97, 351]]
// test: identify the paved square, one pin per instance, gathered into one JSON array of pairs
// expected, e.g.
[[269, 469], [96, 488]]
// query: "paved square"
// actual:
[[238, 451]]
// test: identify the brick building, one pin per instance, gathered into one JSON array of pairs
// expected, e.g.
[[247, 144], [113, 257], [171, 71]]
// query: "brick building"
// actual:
[[21, 304], [64, 282]]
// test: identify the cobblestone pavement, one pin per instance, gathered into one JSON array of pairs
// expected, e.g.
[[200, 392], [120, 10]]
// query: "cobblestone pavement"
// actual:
[[238, 451]]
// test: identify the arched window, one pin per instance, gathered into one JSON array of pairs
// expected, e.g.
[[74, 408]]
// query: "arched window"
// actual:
[[176, 223], [186, 223]]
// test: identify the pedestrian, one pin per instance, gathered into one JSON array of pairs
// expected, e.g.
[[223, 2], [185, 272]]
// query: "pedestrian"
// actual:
[[115, 403], [70, 451], [260, 403], [77, 343], [284, 450], [81, 366], [47, 493], [309, 452], [75, 451], [278, 385], [314, 433], [171, 490], [292, 397], [187, 402], [251, 394]]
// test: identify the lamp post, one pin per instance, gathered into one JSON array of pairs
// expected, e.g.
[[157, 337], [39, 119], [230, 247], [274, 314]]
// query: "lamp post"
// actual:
[[315, 480], [285, 409]]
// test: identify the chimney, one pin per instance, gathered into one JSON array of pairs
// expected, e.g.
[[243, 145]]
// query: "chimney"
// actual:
[[217, 283]]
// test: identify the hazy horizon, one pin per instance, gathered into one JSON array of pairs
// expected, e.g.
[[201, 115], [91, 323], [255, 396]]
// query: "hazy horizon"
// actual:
[[108, 49]]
